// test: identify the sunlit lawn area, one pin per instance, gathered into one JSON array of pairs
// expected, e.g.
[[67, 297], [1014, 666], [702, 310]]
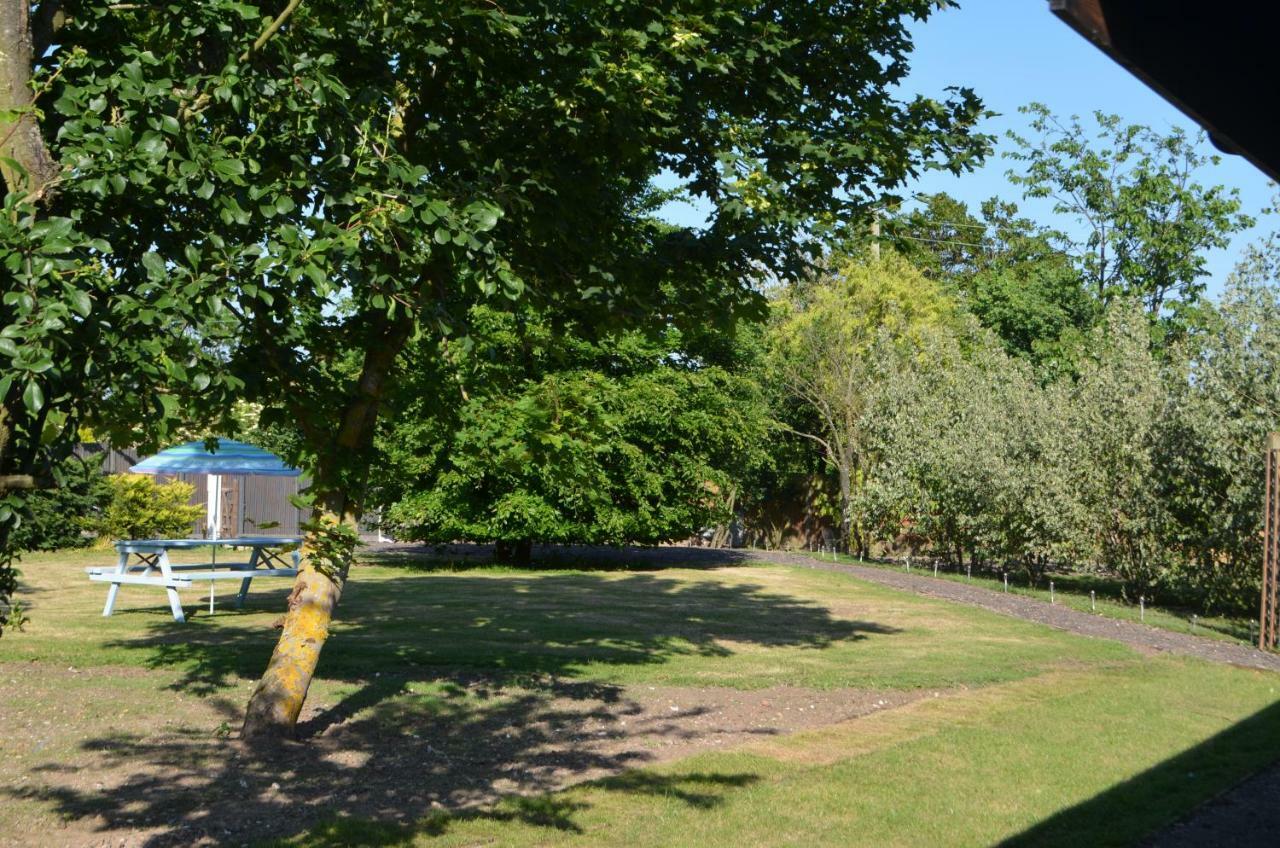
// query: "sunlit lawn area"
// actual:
[[1073, 590], [437, 679]]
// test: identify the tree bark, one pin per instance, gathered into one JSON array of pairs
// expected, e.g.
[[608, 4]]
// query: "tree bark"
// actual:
[[846, 504], [277, 700], [25, 163]]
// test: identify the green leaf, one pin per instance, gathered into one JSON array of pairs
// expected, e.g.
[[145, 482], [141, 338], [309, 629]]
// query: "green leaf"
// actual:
[[485, 219], [168, 405], [33, 397], [154, 265], [81, 302], [7, 347], [228, 168]]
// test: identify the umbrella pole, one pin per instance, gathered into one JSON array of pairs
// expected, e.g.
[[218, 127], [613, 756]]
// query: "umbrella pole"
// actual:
[[213, 512], [215, 523]]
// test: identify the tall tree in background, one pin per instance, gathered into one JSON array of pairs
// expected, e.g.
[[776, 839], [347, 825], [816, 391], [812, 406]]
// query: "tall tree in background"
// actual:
[[1144, 222], [1006, 270], [299, 190], [821, 345], [1117, 407], [1223, 403]]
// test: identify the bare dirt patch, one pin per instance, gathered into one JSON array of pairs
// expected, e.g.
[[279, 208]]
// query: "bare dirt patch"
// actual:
[[152, 769]]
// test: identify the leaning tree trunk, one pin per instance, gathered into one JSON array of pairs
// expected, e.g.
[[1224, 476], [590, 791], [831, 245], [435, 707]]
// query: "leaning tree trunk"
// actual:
[[277, 701], [326, 552]]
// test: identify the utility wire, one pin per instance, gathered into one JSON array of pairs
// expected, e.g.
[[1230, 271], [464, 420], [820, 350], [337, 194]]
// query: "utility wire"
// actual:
[[938, 241]]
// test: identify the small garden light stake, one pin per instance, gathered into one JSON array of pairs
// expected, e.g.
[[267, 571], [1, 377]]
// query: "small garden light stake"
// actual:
[[1142, 609], [1006, 582], [1051, 600], [1093, 601]]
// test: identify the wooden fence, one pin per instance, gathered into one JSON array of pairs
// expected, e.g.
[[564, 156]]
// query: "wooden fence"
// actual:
[[1269, 631]]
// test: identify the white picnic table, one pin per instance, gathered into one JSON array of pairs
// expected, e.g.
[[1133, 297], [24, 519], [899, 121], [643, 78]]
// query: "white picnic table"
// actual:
[[145, 562]]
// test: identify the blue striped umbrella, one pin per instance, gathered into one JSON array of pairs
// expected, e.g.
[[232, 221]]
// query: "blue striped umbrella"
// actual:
[[231, 458]]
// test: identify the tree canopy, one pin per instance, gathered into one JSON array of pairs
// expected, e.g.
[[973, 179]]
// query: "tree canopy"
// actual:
[[271, 201], [824, 338], [538, 433], [1145, 222]]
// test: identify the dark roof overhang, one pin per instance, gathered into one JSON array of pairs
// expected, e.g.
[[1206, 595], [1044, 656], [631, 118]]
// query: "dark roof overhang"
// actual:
[[1217, 62]]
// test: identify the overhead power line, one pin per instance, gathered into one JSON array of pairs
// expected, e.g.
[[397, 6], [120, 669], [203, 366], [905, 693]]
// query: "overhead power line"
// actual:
[[939, 241]]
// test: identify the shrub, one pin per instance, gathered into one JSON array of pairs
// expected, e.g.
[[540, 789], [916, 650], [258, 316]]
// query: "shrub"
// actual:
[[55, 518], [141, 508]]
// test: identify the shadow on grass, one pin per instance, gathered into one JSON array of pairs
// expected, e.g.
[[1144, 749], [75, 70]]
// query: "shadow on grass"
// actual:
[[516, 626], [472, 702], [466, 556], [702, 790], [1132, 810]]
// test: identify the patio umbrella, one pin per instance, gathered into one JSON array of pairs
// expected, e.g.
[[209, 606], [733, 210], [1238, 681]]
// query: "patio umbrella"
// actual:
[[230, 458]]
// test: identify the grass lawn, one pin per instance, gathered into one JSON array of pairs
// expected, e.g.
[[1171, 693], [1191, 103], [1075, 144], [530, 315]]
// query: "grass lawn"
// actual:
[[746, 705], [1072, 590]]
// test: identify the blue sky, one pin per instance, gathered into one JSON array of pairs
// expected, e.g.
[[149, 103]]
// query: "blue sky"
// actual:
[[1012, 52]]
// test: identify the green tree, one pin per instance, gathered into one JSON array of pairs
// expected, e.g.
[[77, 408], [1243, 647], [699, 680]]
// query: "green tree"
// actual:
[[1007, 272], [1117, 406], [1144, 223], [973, 455], [299, 190], [821, 341], [1224, 403], [55, 518], [140, 507], [537, 433], [103, 157]]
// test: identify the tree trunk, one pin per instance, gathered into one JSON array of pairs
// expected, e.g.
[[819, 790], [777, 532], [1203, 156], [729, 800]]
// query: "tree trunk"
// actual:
[[722, 537], [277, 700], [518, 553], [25, 163], [846, 504]]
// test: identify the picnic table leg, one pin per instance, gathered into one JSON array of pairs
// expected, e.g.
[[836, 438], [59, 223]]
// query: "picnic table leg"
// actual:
[[122, 565], [244, 584], [175, 604]]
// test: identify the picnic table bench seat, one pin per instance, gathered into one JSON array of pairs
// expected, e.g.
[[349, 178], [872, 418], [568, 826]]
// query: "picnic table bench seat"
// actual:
[[146, 563]]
